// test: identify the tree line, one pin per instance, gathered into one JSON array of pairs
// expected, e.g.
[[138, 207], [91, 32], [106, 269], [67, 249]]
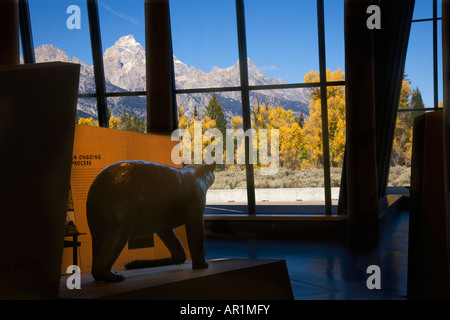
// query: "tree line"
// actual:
[[300, 136], [127, 122]]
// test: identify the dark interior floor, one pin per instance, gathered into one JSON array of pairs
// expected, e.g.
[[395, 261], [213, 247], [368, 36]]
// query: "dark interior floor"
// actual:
[[333, 270]]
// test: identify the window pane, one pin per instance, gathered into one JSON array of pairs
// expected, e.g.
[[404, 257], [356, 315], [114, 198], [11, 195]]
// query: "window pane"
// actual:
[[203, 112], [54, 41], [423, 9], [439, 64], [205, 45], [336, 132], [334, 34], [122, 25], [419, 61], [290, 179], [125, 113], [87, 111], [400, 170], [282, 39], [128, 113]]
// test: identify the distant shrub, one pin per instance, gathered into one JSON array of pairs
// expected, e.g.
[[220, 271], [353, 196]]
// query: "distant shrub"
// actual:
[[305, 178]]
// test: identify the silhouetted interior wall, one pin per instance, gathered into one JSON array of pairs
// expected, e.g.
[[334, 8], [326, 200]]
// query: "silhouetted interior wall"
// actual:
[[446, 91], [9, 32], [427, 245]]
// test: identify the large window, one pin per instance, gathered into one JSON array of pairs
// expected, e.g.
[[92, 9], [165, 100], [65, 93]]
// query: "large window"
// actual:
[[272, 66]]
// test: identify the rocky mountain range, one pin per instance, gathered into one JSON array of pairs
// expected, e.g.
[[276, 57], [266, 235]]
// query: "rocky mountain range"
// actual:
[[124, 65]]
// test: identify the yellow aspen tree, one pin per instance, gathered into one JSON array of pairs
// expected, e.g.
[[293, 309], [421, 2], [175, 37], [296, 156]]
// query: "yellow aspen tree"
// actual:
[[88, 122], [402, 146], [114, 122], [290, 133], [313, 143], [236, 122], [291, 140]]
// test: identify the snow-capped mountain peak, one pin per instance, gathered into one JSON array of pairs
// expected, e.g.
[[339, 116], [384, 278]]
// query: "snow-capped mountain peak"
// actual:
[[124, 65]]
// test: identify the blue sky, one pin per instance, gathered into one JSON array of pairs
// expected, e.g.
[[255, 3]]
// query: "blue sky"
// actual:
[[281, 34]]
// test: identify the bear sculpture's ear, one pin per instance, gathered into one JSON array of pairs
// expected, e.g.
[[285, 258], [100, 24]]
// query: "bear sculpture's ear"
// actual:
[[211, 167], [202, 169]]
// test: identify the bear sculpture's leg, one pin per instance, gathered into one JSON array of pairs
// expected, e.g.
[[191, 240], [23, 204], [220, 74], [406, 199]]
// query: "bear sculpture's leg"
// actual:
[[173, 244], [106, 250], [194, 233]]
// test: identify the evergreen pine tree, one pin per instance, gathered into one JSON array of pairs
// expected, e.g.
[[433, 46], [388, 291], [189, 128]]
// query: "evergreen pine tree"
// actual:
[[215, 111], [125, 120], [131, 123], [417, 102], [195, 112]]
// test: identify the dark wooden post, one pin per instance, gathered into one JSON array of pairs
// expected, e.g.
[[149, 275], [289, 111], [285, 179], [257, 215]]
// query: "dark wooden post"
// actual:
[[9, 32], [161, 104], [97, 59], [362, 195], [446, 112]]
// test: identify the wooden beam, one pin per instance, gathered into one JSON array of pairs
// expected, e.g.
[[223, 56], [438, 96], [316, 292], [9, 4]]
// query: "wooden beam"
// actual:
[[362, 195], [97, 60], [9, 32], [161, 104]]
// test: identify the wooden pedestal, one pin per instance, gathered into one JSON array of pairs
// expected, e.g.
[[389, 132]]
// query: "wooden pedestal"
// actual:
[[225, 279]]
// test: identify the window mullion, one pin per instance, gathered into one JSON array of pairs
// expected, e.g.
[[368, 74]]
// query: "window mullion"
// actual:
[[243, 66], [324, 106]]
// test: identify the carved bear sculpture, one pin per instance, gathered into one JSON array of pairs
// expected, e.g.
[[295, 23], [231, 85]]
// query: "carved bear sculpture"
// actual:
[[134, 199]]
